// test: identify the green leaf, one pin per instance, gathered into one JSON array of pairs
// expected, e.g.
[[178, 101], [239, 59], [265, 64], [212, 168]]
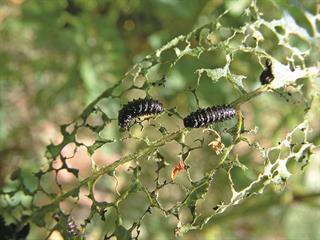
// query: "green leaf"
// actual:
[[283, 75], [169, 45], [122, 233], [97, 144], [54, 150], [215, 74], [200, 188]]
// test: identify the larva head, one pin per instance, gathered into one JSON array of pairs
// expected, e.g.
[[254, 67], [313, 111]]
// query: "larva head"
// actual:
[[189, 122], [124, 120]]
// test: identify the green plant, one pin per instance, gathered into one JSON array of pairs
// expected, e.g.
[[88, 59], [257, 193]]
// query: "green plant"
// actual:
[[159, 157]]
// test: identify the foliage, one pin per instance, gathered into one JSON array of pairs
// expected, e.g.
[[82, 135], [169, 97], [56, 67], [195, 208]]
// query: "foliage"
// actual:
[[189, 178]]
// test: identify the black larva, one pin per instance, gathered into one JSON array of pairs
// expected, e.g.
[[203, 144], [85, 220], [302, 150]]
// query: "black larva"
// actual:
[[266, 76], [14, 230], [205, 116], [67, 223], [137, 108], [72, 228]]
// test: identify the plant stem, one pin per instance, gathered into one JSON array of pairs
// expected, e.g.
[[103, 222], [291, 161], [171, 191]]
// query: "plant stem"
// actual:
[[246, 97]]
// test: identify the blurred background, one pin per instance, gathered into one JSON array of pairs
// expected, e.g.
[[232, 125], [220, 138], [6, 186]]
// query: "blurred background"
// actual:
[[57, 56]]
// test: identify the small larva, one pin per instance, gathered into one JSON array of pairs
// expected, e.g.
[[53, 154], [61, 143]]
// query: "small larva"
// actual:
[[205, 116], [137, 108], [72, 228], [266, 76], [14, 230]]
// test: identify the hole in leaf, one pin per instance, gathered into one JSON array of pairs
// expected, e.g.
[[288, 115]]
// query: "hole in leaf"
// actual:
[[105, 189], [296, 41], [81, 161], [86, 136], [68, 150], [280, 29]]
